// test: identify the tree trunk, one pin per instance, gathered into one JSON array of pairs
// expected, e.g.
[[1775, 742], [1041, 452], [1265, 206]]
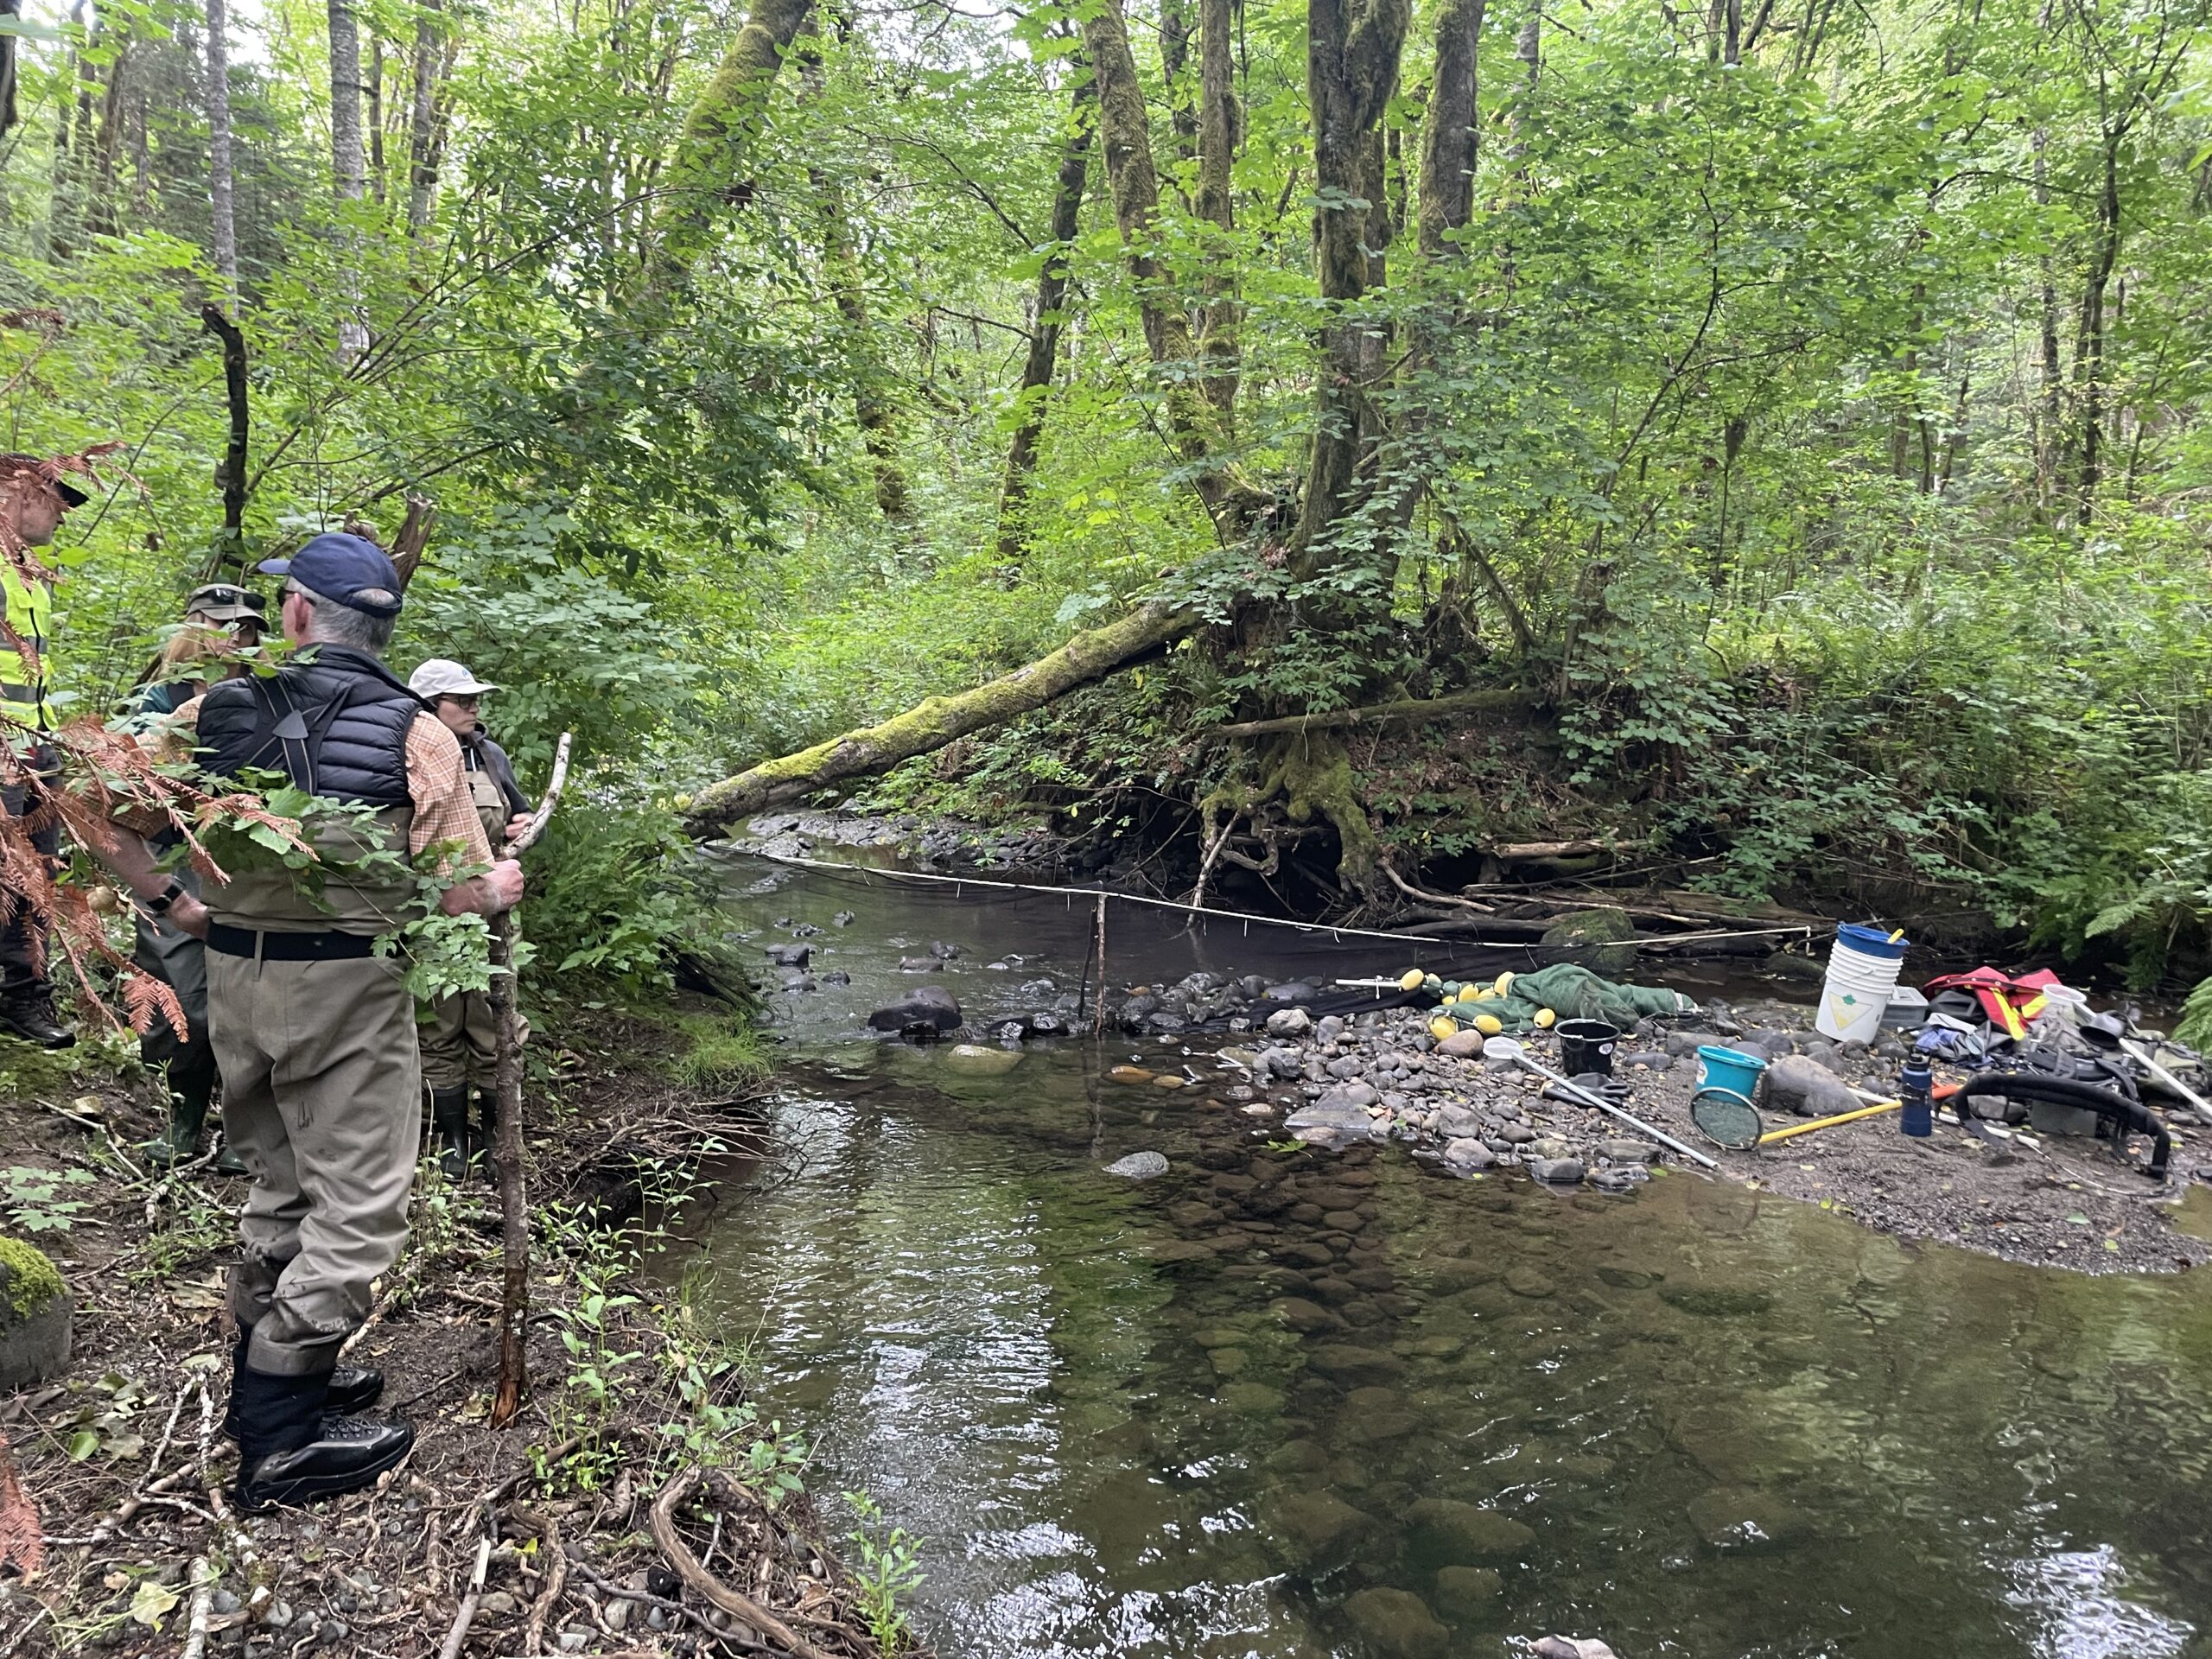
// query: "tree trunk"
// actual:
[[703, 177], [2049, 412], [1175, 81], [224, 240], [346, 182], [1126, 136], [230, 473], [939, 721], [1038, 367], [345, 175], [872, 409], [1352, 68], [1449, 140], [422, 117], [2090, 338], [73, 138], [1219, 123], [13, 11], [376, 118], [113, 111]]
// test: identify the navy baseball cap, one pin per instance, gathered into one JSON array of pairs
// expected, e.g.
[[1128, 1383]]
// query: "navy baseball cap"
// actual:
[[339, 567]]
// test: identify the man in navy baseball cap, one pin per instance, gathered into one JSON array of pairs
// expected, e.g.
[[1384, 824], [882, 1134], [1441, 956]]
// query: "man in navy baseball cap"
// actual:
[[348, 570]]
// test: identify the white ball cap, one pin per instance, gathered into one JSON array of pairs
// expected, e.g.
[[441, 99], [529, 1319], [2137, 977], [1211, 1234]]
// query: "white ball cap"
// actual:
[[443, 678]]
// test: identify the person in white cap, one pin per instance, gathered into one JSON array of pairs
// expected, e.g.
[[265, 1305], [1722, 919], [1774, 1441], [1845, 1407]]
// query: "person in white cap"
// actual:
[[459, 1035]]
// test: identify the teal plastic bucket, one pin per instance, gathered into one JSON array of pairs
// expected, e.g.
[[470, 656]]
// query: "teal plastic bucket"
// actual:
[[1725, 1068]]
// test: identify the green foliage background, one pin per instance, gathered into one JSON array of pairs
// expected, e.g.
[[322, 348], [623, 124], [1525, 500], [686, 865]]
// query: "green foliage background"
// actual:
[[1742, 452]]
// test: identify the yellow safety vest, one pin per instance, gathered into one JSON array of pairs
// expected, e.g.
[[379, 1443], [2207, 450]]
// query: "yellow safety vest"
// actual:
[[30, 620]]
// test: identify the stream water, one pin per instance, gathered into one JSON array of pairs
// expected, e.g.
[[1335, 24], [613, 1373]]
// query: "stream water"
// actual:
[[1281, 1403]]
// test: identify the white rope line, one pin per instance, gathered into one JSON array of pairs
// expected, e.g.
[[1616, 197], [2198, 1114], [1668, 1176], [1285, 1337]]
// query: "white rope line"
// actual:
[[865, 871]]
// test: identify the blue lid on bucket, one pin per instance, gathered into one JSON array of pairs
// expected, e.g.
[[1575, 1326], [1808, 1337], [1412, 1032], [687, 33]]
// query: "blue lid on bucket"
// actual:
[[1871, 941]]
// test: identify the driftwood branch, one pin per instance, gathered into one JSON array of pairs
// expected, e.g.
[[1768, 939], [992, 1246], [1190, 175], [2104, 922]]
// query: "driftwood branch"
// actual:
[[1522, 852], [457, 1637], [1380, 714], [694, 1574], [1426, 897], [507, 1139]]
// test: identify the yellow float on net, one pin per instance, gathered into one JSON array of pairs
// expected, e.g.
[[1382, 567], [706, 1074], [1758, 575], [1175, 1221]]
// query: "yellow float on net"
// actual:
[[1470, 994], [1544, 1018], [1442, 1027], [1489, 1024], [1410, 980], [1504, 984]]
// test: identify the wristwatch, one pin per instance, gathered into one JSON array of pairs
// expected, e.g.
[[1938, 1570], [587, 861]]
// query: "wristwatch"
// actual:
[[169, 895]]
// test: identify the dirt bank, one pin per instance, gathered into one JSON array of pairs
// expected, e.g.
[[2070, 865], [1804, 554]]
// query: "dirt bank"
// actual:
[[123, 1461], [2048, 1200]]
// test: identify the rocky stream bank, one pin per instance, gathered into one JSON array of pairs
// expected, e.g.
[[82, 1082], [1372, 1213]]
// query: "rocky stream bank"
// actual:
[[1379, 1077]]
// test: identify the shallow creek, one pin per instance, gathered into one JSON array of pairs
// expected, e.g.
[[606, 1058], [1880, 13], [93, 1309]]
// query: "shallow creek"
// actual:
[[1284, 1403]]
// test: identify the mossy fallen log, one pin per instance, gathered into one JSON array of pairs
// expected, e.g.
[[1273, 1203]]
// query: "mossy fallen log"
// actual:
[[937, 721]]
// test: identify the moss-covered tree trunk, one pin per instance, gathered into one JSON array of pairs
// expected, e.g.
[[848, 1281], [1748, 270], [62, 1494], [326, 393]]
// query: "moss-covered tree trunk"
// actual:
[[937, 721], [706, 174], [1352, 49], [1125, 136], [1042, 358], [1220, 122], [1450, 134]]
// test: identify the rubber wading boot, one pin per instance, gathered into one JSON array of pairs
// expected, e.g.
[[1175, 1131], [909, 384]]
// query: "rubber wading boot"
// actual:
[[449, 1131], [290, 1452], [349, 1389], [487, 1118], [29, 1015], [180, 1141]]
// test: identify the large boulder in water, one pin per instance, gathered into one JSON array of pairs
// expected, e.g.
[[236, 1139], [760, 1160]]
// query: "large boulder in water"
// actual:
[[1139, 1165], [1445, 1532], [976, 1061], [1397, 1624], [928, 1006], [1603, 939]]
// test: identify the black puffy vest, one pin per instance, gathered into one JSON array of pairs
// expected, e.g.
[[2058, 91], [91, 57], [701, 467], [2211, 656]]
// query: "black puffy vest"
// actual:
[[336, 726]]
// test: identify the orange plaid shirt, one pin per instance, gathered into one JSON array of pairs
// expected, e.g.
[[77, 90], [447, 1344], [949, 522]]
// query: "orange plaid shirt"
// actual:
[[436, 785]]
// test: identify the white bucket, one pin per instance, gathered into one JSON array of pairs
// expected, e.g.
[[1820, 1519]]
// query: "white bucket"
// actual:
[[2063, 1010], [1856, 988]]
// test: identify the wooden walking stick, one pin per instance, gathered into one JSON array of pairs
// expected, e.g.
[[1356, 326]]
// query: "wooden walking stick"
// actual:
[[506, 1142]]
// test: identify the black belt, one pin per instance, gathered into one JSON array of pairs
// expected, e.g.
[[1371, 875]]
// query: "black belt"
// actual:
[[289, 947]]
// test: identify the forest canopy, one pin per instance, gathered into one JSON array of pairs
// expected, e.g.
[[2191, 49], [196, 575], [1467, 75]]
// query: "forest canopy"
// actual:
[[1771, 431]]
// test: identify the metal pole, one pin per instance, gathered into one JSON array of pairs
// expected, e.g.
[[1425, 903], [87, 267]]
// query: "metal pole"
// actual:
[[1517, 1052]]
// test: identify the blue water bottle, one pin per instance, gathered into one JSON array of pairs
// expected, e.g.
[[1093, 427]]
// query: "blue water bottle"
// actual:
[[1914, 1083]]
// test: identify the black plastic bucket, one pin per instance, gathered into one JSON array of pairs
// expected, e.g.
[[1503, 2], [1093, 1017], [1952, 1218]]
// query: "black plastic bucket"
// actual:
[[1586, 1046]]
